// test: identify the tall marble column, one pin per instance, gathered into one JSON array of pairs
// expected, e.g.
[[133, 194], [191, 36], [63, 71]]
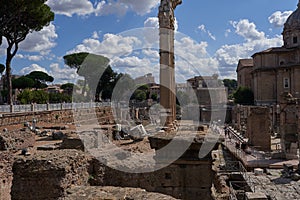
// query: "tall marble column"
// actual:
[[167, 62]]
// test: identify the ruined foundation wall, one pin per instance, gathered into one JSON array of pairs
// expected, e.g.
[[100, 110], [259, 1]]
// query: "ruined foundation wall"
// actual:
[[259, 128], [47, 175], [184, 181], [104, 116], [6, 175]]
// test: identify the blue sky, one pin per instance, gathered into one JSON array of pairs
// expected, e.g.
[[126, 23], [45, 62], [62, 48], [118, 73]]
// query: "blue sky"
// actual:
[[212, 35]]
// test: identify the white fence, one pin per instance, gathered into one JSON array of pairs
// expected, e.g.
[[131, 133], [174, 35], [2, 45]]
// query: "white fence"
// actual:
[[49, 107]]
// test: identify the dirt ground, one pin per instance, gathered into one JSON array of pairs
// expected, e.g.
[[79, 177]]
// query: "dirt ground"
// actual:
[[128, 145]]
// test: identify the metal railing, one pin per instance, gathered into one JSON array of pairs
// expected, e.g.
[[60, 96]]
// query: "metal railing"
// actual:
[[238, 167], [50, 107], [238, 190], [232, 193]]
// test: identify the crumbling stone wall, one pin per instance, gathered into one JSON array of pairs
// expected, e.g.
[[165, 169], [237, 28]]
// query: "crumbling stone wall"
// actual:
[[259, 127], [104, 115], [6, 175], [16, 140], [47, 175], [112, 193], [11, 142], [182, 180]]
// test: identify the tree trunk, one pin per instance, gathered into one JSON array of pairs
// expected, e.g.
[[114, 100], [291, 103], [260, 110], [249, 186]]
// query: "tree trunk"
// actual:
[[9, 57], [10, 53], [8, 80]]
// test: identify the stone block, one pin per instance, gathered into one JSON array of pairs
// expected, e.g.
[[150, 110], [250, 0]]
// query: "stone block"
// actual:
[[258, 171], [256, 196]]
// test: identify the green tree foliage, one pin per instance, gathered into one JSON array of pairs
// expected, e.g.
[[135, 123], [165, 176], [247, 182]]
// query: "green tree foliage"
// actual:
[[231, 84], [67, 86], [59, 98], [75, 60], [243, 96], [35, 79], [40, 79], [91, 67], [154, 97], [18, 19], [98, 75], [40, 96], [36, 96], [106, 84], [25, 97], [141, 94], [23, 82]]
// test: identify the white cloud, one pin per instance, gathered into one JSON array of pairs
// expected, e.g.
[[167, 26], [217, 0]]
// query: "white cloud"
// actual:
[[111, 8], [203, 29], [141, 7], [41, 41], [131, 53], [247, 30], [120, 7], [30, 57], [64, 74], [255, 41], [108, 7], [20, 56], [131, 61], [35, 58], [193, 58], [95, 35], [229, 55], [31, 68], [279, 18], [187, 45], [151, 22], [151, 53], [112, 45], [60, 75], [227, 32], [71, 7]]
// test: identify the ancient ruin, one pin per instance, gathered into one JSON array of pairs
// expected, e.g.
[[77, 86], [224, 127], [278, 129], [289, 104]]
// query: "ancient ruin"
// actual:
[[167, 60], [253, 157]]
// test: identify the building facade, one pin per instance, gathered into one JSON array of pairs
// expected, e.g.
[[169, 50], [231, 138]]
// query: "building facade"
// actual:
[[208, 89], [146, 79], [275, 71], [274, 80], [244, 68]]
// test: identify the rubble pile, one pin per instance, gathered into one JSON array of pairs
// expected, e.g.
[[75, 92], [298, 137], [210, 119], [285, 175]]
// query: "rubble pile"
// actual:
[[6, 175], [112, 193], [47, 174], [72, 141], [289, 172], [16, 140]]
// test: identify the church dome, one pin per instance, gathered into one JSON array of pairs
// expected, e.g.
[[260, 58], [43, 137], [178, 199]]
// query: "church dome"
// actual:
[[291, 30], [293, 19]]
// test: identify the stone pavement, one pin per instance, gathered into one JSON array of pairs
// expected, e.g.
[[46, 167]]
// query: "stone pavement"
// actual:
[[275, 186]]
